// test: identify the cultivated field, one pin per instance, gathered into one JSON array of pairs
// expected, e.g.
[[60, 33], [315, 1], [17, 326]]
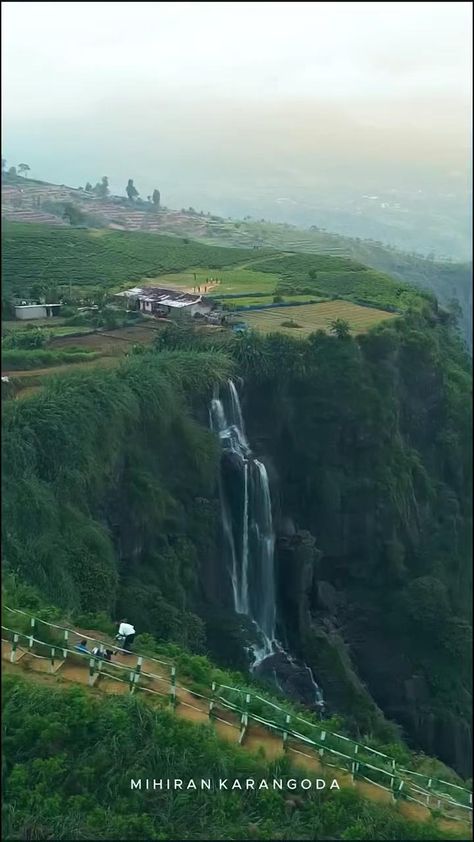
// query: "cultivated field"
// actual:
[[111, 342], [107, 349], [81, 259], [236, 280], [314, 317], [55, 327]]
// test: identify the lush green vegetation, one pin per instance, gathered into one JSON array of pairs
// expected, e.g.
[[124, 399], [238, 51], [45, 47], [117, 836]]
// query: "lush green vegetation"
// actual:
[[82, 258], [117, 476], [380, 425], [326, 275], [69, 757], [78, 259], [111, 505], [92, 443], [371, 442], [21, 360], [448, 280]]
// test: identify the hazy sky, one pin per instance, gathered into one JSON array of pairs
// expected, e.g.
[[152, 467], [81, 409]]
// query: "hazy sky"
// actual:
[[70, 55], [218, 96]]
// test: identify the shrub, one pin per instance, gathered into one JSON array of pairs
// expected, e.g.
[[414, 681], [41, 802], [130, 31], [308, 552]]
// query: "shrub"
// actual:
[[33, 337]]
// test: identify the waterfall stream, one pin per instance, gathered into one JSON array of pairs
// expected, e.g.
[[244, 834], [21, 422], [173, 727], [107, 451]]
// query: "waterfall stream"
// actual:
[[248, 534], [247, 526]]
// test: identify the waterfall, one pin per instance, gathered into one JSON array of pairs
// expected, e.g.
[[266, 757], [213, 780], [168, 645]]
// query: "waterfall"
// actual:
[[247, 523], [249, 538]]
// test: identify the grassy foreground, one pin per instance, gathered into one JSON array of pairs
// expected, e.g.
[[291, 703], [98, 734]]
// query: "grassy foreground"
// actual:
[[70, 756]]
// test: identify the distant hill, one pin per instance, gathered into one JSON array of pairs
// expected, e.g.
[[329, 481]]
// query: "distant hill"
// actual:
[[28, 200]]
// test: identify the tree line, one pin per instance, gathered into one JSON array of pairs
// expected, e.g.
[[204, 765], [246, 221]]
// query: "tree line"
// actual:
[[102, 190], [21, 169]]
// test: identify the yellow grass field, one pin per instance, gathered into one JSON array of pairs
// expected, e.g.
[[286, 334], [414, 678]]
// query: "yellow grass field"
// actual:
[[313, 317]]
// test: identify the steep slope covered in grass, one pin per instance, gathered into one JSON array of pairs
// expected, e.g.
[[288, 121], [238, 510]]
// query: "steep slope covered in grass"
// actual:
[[69, 758]]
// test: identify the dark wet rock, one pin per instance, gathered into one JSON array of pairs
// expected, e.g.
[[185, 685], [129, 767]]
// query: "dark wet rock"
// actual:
[[292, 677], [327, 596]]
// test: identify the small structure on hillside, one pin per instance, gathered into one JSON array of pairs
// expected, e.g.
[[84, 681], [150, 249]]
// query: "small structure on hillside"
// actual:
[[36, 311], [158, 301]]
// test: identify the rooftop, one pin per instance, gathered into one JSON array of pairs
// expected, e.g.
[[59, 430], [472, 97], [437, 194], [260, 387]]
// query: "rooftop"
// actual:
[[160, 295]]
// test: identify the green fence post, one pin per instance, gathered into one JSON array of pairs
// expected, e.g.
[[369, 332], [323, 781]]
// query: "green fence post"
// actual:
[[212, 700], [32, 633], [91, 671], [244, 721], [322, 738], [135, 675], [13, 652], [66, 643], [138, 669], [173, 686], [430, 781], [356, 749], [287, 728], [51, 669]]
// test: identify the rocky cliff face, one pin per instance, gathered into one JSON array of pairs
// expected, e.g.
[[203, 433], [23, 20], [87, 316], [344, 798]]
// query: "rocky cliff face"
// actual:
[[361, 461]]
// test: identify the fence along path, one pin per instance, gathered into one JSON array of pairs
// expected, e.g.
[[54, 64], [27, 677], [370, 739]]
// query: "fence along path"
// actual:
[[238, 715]]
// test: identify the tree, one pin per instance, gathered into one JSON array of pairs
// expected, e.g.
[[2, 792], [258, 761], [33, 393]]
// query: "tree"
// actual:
[[73, 214], [131, 190], [12, 171], [89, 187], [4, 164], [156, 198], [101, 189], [23, 169], [340, 328]]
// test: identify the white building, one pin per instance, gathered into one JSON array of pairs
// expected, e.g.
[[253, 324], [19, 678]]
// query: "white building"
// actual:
[[36, 311], [158, 301]]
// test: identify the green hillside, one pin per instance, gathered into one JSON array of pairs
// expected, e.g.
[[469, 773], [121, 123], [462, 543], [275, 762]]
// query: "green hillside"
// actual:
[[449, 280], [69, 758], [62, 257], [81, 259], [112, 508]]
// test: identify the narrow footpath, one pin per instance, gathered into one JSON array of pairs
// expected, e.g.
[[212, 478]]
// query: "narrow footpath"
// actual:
[[195, 709]]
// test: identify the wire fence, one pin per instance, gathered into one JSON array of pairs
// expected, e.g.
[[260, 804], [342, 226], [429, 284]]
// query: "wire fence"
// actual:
[[157, 677]]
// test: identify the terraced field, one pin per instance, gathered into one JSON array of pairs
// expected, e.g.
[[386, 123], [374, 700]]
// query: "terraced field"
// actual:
[[89, 259], [267, 299], [107, 347], [312, 317]]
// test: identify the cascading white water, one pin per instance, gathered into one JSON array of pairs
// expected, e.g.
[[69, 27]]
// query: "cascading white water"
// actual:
[[247, 525], [236, 416], [265, 591], [251, 558]]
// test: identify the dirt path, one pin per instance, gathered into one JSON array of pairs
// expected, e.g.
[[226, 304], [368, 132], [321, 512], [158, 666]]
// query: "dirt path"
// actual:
[[196, 710]]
